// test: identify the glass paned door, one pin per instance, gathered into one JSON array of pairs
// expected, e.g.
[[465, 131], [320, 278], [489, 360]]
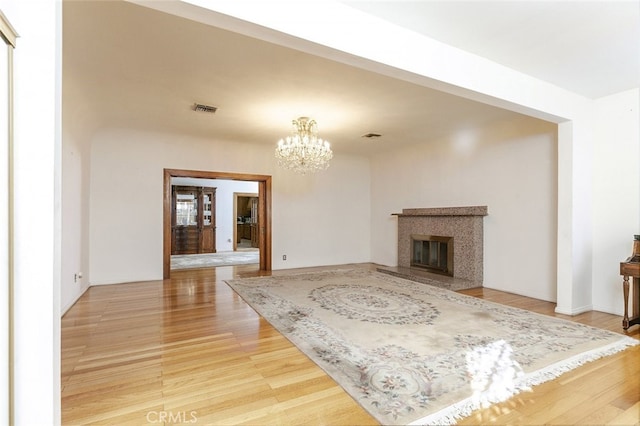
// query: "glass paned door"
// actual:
[[185, 238], [206, 209], [186, 209]]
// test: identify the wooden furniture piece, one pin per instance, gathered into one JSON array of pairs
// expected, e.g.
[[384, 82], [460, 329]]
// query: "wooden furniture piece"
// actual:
[[631, 268], [193, 228]]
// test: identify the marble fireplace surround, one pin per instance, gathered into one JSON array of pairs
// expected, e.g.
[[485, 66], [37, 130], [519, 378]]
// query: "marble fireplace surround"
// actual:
[[464, 224]]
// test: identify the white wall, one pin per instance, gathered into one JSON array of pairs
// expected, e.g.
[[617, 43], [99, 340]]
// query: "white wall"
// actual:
[[225, 190], [511, 168], [616, 194], [311, 215], [5, 264], [77, 127], [37, 248], [75, 200], [324, 220]]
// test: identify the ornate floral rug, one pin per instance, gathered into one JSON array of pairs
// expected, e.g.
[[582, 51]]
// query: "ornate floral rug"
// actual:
[[411, 353]]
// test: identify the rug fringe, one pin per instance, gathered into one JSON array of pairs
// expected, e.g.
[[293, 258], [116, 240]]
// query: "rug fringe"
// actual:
[[451, 414], [555, 370]]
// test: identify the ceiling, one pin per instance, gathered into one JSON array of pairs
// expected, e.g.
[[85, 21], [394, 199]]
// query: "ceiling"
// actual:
[[588, 47], [129, 66]]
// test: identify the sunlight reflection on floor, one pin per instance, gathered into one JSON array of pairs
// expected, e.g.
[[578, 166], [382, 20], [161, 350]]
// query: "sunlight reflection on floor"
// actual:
[[493, 373]]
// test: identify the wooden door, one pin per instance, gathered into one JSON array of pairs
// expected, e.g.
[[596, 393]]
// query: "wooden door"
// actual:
[[208, 224]]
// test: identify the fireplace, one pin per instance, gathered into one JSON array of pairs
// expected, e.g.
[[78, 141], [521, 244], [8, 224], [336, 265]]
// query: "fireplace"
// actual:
[[432, 253], [426, 238], [426, 252]]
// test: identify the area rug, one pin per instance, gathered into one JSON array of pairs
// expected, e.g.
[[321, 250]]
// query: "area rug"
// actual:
[[411, 353], [209, 260]]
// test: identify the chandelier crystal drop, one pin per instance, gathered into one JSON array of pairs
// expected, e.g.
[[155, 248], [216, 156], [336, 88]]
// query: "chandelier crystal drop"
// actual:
[[304, 151]]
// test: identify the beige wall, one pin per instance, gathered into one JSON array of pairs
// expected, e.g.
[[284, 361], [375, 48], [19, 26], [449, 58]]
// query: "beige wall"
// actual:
[[511, 168], [35, 348], [320, 219], [616, 194], [77, 128]]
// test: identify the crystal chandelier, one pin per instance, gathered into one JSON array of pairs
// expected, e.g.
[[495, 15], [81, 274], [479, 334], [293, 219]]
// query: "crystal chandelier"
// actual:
[[304, 151]]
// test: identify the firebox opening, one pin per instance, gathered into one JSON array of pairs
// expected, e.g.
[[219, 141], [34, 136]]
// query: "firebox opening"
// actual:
[[433, 253]]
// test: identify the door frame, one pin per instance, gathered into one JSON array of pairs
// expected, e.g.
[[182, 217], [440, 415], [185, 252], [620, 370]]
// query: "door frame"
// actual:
[[264, 211]]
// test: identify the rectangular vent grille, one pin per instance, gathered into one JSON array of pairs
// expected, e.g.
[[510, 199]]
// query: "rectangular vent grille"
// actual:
[[205, 108]]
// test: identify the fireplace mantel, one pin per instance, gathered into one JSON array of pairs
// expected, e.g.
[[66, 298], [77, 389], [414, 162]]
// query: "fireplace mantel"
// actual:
[[445, 211]]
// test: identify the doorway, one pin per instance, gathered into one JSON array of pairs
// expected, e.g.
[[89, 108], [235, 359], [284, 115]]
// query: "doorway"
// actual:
[[262, 206], [245, 215]]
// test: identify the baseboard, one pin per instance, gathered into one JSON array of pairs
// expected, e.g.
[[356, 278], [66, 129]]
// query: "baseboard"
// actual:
[[73, 302], [618, 310], [575, 311], [519, 292]]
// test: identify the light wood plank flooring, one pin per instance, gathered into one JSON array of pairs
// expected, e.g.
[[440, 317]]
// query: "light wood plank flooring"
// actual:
[[189, 350]]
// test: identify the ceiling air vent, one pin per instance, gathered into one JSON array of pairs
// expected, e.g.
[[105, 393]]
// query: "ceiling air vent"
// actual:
[[371, 135], [205, 108]]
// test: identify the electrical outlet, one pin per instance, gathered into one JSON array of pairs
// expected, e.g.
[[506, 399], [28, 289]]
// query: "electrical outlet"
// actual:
[[284, 257]]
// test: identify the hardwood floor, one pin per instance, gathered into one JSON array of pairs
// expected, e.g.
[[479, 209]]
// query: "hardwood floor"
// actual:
[[189, 350]]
